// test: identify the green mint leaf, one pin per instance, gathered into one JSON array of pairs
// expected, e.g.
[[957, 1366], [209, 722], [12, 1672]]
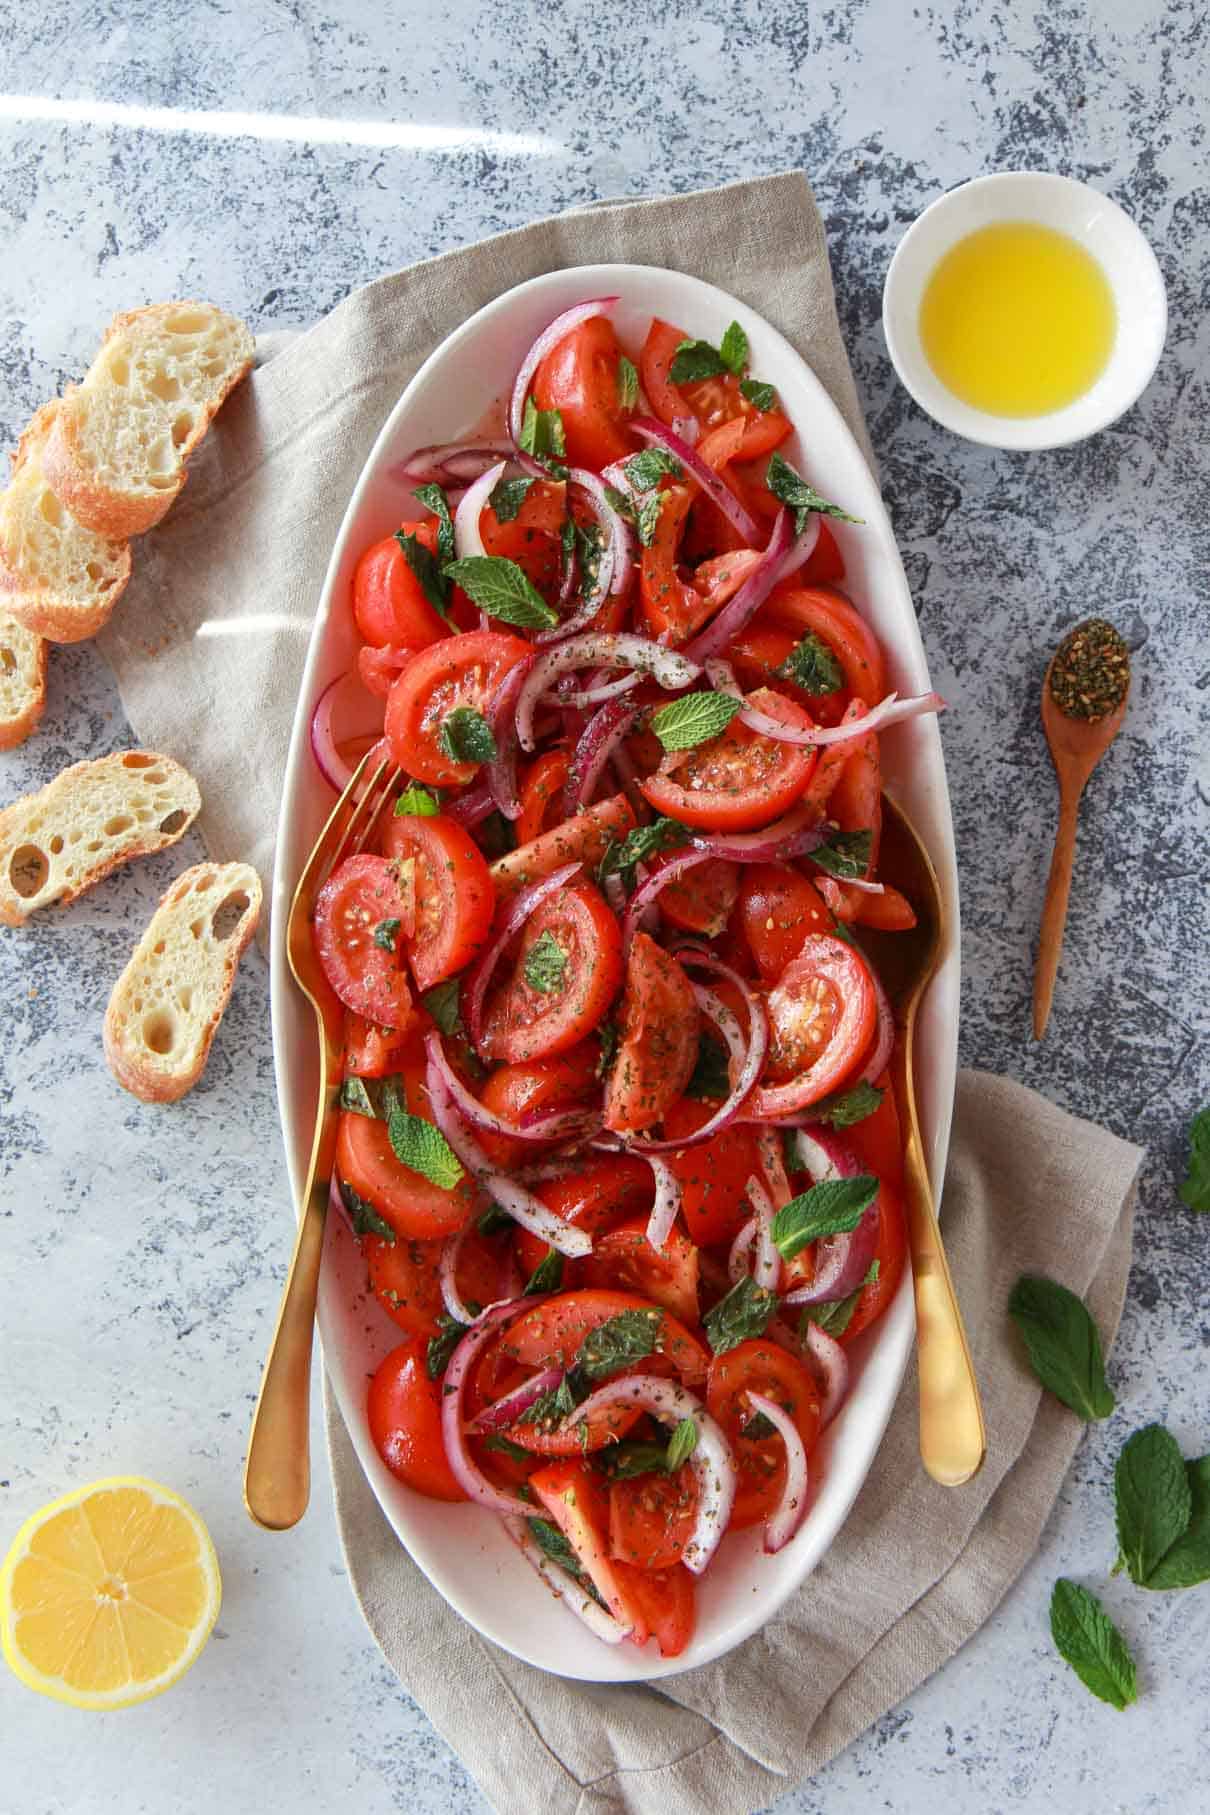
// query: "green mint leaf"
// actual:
[[504, 1446], [628, 384], [733, 349], [1187, 1562], [846, 854], [639, 846], [386, 935], [747, 1310], [545, 964], [647, 517], [681, 1444], [507, 497], [542, 433], [567, 537], [422, 1148], [812, 666], [1063, 1344], [1154, 1500], [556, 1405], [847, 1107], [801, 498], [645, 470], [1195, 1191], [444, 1003], [493, 1219], [694, 719], [760, 396], [1087, 1639], [621, 502], [466, 736], [363, 1216], [559, 1550], [710, 1081], [610, 1037], [834, 1315], [441, 1346], [427, 569], [434, 499], [621, 1461], [418, 801], [758, 1426], [499, 587], [695, 359], [617, 1342], [833, 1207], [547, 1276], [355, 1096]]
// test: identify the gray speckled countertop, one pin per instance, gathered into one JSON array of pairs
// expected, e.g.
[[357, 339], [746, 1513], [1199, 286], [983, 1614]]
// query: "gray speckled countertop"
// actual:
[[140, 1250]]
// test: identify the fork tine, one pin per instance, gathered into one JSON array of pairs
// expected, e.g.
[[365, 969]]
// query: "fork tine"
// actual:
[[385, 789], [350, 820]]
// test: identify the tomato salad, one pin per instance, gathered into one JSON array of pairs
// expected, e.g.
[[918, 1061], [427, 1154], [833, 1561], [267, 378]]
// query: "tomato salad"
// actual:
[[616, 1132]]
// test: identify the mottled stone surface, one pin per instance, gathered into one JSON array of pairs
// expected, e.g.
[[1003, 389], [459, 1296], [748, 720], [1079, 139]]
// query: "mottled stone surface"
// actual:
[[141, 1249]]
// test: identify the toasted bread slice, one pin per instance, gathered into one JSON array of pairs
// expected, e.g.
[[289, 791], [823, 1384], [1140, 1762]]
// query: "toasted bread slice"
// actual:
[[120, 440], [22, 681], [56, 577], [168, 1002], [60, 841]]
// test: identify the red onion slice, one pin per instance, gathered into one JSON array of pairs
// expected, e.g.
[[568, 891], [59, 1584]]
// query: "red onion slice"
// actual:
[[459, 460], [599, 1622], [447, 1276], [766, 1263], [824, 1156], [601, 737], [578, 698], [890, 711], [667, 1203], [469, 1476], [501, 716], [546, 1125], [711, 1461], [737, 612], [798, 832], [884, 1034], [479, 975], [832, 1365], [747, 1057], [652, 886], [773, 1165], [737, 1258], [714, 486], [549, 338], [598, 649], [472, 806], [615, 565], [467, 540], [505, 1411], [791, 1509], [345, 696]]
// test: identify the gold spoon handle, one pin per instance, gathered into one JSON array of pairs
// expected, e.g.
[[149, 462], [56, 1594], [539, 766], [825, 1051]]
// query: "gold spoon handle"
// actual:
[[1054, 913], [953, 1441], [277, 1475]]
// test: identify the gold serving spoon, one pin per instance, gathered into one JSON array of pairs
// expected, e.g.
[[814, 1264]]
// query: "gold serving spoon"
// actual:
[[953, 1441]]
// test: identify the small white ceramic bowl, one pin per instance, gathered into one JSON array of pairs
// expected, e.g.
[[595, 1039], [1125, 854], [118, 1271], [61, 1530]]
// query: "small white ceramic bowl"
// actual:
[[1098, 225]]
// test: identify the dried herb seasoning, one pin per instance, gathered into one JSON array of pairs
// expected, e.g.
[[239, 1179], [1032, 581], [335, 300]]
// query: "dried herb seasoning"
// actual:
[[1090, 674]]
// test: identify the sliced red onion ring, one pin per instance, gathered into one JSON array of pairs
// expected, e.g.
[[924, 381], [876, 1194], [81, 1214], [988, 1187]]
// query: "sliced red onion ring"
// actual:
[[502, 1412], [747, 1057], [652, 886], [502, 717], [841, 1261], [766, 1264], [794, 835], [890, 711], [598, 649], [667, 1203], [617, 555], [461, 460], [832, 1365], [791, 1509], [737, 1258], [343, 697], [802, 547], [467, 540], [599, 1622], [736, 613], [824, 1156], [773, 1165], [578, 698], [477, 978], [601, 737], [447, 1276], [714, 486], [546, 1125], [884, 1034], [472, 806], [549, 338], [711, 1461], [469, 1476]]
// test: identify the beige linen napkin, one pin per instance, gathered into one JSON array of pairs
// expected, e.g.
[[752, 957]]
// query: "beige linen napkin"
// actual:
[[208, 645]]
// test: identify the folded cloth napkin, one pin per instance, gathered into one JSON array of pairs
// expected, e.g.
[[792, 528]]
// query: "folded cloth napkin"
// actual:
[[208, 647]]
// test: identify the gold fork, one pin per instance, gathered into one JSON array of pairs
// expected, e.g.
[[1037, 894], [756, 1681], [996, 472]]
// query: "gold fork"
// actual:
[[277, 1475]]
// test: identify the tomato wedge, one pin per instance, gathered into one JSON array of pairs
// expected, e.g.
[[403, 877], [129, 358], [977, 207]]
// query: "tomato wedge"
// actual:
[[583, 839], [665, 1602], [575, 1499], [623, 1257], [404, 1412], [373, 1052], [453, 896], [701, 900], [388, 600], [760, 1366], [567, 972], [821, 1022], [461, 671], [579, 378], [713, 1176], [672, 607], [358, 914], [655, 361], [778, 907], [830, 616], [651, 1518], [658, 1050], [740, 780], [565, 1078], [600, 1193], [531, 538], [542, 795]]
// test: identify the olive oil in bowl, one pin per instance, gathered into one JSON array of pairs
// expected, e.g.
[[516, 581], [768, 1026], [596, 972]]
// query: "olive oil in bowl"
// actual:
[[1017, 319]]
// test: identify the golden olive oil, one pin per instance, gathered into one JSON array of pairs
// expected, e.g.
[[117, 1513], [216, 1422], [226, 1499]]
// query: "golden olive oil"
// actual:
[[1017, 319]]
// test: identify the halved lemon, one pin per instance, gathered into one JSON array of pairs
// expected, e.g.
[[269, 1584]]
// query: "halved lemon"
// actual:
[[108, 1594]]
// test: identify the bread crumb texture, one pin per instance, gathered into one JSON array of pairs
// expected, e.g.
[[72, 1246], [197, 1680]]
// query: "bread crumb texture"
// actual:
[[22, 681]]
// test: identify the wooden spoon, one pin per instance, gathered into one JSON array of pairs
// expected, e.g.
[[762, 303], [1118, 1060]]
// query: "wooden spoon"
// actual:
[[1076, 747]]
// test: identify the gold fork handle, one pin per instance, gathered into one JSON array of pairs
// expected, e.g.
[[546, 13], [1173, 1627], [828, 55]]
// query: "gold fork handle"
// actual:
[[277, 1475]]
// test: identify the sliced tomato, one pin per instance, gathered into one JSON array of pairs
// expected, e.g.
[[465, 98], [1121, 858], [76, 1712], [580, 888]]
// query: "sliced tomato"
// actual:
[[542, 795], [532, 538], [664, 1599], [372, 1051], [658, 1050], [404, 1412], [579, 378], [720, 577], [388, 600], [582, 839], [379, 669], [822, 1015], [453, 895], [760, 1366], [701, 900], [740, 780], [890, 912], [623, 1257], [856, 806], [461, 671], [672, 607], [550, 1334], [543, 1010], [358, 914], [575, 1499], [758, 655], [602, 1192], [778, 908], [825, 564], [838, 624], [407, 1200], [713, 1176], [565, 1078], [403, 1276], [655, 362], [651, 1518]]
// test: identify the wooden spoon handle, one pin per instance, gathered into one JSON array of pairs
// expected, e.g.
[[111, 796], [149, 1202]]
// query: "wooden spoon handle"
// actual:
[[1054, 912]]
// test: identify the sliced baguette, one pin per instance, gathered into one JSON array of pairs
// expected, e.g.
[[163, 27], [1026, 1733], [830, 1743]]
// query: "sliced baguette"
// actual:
[[120, 440], [94, 816], [56, 577], [168, 1002], [22, 681]]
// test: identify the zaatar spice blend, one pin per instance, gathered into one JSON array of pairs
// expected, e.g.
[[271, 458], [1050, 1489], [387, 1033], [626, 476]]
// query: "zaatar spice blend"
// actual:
[[1090, 674]]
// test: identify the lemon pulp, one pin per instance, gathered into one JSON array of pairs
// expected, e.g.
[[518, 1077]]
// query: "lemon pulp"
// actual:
[[1017, 319]]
